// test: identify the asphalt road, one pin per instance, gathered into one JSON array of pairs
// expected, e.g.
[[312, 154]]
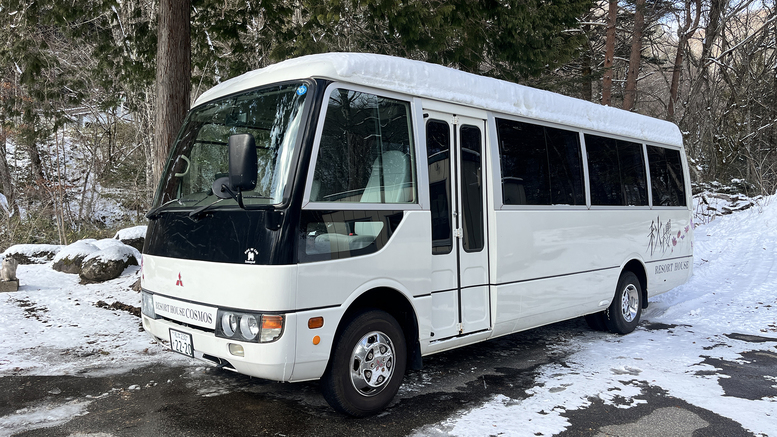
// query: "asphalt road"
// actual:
[[206, 401]]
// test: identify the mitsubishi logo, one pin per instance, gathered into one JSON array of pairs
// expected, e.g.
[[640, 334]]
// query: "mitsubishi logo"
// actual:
[[179, 282]]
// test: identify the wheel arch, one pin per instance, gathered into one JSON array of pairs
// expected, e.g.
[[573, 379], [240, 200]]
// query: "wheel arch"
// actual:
[[399, 307], [638, 268]]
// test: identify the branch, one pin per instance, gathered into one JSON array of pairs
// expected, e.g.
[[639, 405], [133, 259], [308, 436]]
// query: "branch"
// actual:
[[748, 38]]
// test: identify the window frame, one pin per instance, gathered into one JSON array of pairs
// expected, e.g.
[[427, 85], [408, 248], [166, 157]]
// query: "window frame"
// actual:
[[648, 192], [414, 114], [591, 206], [686, 177]]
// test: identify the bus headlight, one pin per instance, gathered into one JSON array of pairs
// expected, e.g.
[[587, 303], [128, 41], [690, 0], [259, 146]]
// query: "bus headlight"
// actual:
[[147, 304], [256, 328], [229, 324], [249, 326]]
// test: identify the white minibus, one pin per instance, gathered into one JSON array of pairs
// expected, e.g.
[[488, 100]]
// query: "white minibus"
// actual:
[[341, 216]]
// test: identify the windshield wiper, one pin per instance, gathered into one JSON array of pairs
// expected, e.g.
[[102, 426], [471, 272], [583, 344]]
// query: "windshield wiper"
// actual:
[[154, 213], [199, 212], [195, 215]]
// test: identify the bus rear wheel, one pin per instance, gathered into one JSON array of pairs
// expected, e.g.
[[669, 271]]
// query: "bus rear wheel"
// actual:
[[623, 314], [366, 366]]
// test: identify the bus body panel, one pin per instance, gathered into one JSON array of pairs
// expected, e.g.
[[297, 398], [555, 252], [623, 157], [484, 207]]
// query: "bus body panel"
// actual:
[[405, 261], [671, 262], [402, 265], [313, 346], [243, 287], [565, 263]]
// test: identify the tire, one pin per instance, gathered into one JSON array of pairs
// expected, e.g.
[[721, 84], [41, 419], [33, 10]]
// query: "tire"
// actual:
[[367, 364], [623, 314], [595, 321]]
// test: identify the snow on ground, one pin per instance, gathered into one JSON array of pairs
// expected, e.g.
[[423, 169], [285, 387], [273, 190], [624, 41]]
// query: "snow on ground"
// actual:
[[52, 326], [733, 291]]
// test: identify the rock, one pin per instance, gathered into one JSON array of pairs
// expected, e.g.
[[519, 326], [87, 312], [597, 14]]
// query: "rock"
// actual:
[[6, 286], [135, 236], [71, 257], [108, 263], [32, 253], [69, 265]]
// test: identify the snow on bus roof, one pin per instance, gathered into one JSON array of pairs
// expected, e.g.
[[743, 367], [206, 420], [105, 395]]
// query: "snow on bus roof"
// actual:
[[447, 84]]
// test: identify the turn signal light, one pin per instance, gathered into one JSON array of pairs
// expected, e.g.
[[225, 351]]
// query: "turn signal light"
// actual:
[[272, 328], [315, 322], [272, 322]]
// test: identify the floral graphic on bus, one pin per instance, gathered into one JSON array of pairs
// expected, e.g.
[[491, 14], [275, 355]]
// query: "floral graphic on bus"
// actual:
[[661, 237]]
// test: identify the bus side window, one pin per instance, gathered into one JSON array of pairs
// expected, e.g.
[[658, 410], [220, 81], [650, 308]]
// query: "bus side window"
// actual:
[[366, 151], [438, 150], [365, 157], [326, 235], [666, 176], [616, 170], [540, 165]]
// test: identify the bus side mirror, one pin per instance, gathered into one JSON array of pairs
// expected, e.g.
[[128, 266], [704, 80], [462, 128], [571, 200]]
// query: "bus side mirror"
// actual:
[[242, 162]]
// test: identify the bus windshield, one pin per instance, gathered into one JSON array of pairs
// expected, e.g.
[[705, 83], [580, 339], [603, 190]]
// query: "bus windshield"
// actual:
[[273, 115]]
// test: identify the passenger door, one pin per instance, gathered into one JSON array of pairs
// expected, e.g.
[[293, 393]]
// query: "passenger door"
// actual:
[[460, 295]]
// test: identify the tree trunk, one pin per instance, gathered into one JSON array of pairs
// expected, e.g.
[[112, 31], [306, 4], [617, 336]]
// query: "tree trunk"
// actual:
[[689, 28], [173, 77], [6, 181], [36, 165], [630, 93], [586, 81], [586, 70], [609, 52], [675, 85]]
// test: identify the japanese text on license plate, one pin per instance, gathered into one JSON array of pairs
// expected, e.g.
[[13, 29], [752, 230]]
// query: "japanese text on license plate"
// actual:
[[181, 342]]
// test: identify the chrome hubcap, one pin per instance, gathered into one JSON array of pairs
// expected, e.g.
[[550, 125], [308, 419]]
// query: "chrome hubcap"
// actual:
[[629, 303], [372, 363]]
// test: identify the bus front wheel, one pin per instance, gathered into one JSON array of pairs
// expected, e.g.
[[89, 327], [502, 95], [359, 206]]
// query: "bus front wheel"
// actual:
[[367, 364], [623, 314]]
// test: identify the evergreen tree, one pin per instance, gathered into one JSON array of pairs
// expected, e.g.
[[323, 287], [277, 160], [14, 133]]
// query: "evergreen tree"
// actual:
[[509, 39]]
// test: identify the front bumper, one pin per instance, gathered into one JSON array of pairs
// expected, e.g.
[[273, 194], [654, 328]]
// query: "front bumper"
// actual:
[[273, 361]]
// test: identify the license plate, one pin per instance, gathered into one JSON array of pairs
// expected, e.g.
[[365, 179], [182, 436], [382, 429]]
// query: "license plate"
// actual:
[[181, 342]]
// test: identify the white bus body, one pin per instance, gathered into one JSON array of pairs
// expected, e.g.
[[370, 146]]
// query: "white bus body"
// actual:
[[396, 209]]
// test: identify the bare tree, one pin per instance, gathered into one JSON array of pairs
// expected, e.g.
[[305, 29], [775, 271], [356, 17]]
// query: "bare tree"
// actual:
[[609, 52], [689, 24], [630, 92]]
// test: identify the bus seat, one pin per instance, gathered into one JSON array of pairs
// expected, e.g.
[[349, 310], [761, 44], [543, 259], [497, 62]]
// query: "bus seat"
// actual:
[[371, 229], [513, 191], [332, 243], [396, 174]]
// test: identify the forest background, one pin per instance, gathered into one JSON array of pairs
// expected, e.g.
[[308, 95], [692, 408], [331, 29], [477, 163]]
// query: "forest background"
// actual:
[[93, 92]]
